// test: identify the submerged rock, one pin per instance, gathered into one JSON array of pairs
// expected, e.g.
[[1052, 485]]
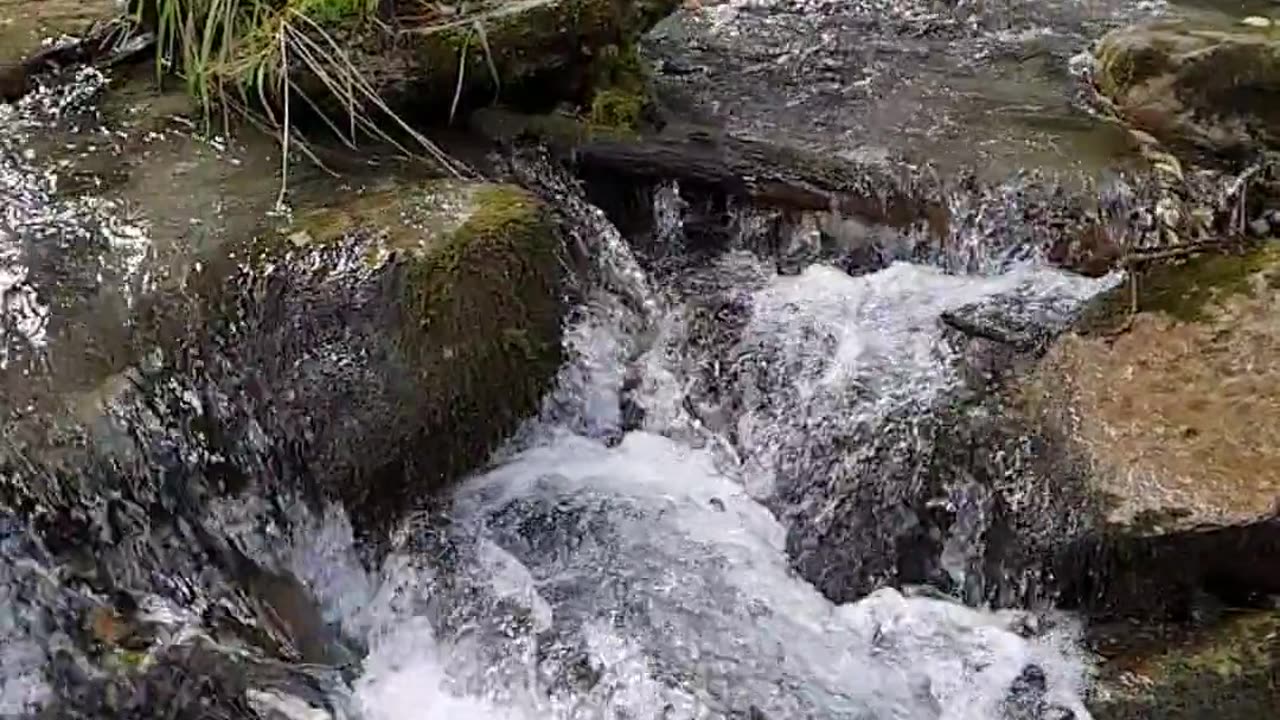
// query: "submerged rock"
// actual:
[[1175, 421], [1215, 89], [390, 342]]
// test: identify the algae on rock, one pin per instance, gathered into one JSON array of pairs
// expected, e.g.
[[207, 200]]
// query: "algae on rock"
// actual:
[[1229, 670], [398, 337]]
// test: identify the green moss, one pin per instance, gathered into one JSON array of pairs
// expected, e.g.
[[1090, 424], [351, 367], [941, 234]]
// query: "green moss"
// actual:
[[1186, 291], [621, 89], [1230, 671], [483, 317], [559, 50], [616, 109]]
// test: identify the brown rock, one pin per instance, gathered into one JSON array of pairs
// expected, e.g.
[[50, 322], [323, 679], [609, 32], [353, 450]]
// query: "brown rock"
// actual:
[[1215, 89], [1177, 423]]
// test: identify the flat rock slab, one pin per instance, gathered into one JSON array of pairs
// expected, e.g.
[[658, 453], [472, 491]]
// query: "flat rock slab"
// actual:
[[987, 88]]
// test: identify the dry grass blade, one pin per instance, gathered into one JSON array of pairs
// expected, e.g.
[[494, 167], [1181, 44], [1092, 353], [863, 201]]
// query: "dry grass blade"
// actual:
[[488, 59], [462, 75], [366, 93]]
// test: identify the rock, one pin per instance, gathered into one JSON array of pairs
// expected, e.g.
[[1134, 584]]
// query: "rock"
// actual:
[[1175, 424], [190, 681], [1027, 699], [59, 35], [1090, 250], [540, 53], [864, 79], [1213, 89], [1228, 671], [1022, 320], [21, 34], [106, 626], [395, 339], [1260, 227], [439, 61]]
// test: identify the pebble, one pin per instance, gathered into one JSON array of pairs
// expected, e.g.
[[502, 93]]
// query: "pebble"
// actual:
[[1256, 21], [1260, 227]]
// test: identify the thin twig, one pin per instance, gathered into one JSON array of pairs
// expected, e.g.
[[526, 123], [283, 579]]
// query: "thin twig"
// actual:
[[1140, 256], [284, 141]]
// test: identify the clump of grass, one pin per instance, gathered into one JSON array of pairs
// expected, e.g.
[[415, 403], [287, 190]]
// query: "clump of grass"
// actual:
[[246, 57]]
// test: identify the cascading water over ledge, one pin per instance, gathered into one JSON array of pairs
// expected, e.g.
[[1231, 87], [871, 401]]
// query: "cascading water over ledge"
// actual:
[[765, 457]]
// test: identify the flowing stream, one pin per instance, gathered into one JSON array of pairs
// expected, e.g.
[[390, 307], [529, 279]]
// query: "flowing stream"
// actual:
[[632, 553], [616, 568]]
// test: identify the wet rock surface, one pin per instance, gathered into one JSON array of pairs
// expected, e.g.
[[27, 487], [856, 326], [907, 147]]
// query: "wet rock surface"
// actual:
[[26, 26], [958, 86], [391, 310], [160, 545], [1208, 87], [1227, 668], [1173, 420]]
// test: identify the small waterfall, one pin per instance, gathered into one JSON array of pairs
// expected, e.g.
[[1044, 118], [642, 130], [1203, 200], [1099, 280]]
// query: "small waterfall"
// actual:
[[689, 529], [613, 566]]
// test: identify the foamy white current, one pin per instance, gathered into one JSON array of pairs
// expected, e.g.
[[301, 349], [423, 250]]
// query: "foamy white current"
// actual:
[[644, 568], [597, 573]]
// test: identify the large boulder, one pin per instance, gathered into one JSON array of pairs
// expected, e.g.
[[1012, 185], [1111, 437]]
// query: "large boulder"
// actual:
[[23, 51], [1174, 415], [1212, 88], [386, 345]]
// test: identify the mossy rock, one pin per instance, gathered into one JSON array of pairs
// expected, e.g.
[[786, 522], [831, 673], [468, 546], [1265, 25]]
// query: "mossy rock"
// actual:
[[531, 54], [1173, 418], [1188, 291], [1229, 671], [400, 335], [1217, 89]]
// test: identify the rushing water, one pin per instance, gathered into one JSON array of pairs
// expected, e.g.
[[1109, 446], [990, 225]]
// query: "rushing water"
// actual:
[[630, 554], [623, 564], [620, 569]]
